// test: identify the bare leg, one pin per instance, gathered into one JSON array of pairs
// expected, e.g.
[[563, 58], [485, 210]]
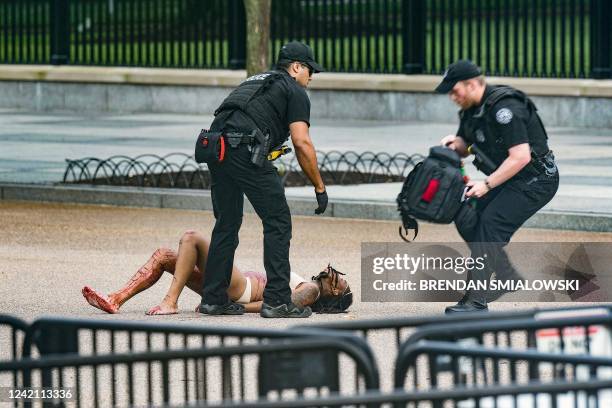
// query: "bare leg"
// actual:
[[162, 260], [193, 250]]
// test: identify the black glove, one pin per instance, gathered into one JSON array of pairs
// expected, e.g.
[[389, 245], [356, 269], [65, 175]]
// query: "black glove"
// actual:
[[322, 201]]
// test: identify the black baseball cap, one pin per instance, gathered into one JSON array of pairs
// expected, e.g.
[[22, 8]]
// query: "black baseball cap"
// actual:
[[298, 51], [458, 71]]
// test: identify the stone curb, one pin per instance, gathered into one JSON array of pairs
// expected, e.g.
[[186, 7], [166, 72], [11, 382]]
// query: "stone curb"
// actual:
[[323, 81], [200, 200]]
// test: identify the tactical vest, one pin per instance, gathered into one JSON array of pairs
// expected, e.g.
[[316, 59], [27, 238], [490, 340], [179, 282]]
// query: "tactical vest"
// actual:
[[263, 103], [482, 124]]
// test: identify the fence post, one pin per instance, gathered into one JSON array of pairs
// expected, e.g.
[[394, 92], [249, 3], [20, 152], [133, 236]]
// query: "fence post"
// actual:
[[601, 63], [237, 34], [60, 32], [413, 36]]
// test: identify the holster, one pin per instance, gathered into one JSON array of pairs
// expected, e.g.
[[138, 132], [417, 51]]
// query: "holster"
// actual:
[[260, 148], [539, 165], [481, 161]]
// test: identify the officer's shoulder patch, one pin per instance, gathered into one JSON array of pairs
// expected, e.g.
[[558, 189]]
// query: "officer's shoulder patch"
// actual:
[[257, 77], [503, 116]]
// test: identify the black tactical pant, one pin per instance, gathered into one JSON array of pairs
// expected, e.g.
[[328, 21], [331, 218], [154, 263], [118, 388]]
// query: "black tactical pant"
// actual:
[[501, 212], [230, 181]]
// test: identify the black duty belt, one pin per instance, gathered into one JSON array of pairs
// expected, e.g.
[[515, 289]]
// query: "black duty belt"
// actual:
[[237, 138], [540, 165]]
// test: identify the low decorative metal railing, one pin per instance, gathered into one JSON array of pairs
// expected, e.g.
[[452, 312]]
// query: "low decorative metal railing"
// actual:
[[179, 170]]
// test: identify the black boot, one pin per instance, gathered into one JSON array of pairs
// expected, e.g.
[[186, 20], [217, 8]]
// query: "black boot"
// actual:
[[230, 308], [284, 310], [468, 304]]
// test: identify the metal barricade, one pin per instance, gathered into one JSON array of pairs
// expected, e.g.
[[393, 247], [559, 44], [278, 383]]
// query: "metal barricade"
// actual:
[[392, 332], [280, 368], [401, 328], [435, 365], [589, 393], [566, 331], [58, 335], [549, 336], [12, 335], [51, 336]]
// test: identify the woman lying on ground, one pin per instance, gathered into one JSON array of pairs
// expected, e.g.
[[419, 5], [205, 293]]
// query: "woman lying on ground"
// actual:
[[327, 292]]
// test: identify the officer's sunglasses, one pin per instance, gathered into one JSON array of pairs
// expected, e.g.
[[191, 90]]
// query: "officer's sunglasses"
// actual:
[[310, 69]]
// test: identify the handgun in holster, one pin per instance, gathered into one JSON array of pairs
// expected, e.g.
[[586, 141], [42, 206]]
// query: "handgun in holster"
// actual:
[[544, 164], [281, 151], [260, 147], [481, 161]]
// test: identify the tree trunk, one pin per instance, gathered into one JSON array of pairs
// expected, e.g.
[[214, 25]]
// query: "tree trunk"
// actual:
[[258, 35]]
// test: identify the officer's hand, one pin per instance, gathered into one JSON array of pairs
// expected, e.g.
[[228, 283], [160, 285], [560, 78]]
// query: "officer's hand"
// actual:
[[476, 189], [448, 141], [322, 201]]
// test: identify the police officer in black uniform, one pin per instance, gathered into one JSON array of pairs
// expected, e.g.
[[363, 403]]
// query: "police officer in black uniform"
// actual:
[[257, 117], [501, 127]]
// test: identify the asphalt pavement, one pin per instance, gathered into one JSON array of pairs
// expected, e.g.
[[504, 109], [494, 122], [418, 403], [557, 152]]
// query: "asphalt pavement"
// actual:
[[48, 252]]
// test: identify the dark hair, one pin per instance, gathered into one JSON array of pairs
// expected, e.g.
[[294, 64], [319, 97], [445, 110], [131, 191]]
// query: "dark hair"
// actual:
[[330, 303], [333, 304]]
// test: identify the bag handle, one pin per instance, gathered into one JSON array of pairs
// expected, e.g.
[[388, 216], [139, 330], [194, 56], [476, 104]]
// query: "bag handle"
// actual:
[[408, 223]]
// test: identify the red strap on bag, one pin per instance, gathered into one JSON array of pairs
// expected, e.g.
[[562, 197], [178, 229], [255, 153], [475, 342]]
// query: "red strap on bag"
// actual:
[[431, 190], [221, 149]]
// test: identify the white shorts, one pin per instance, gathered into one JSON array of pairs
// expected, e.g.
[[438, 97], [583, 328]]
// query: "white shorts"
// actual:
[[294, 281], [246, 295]]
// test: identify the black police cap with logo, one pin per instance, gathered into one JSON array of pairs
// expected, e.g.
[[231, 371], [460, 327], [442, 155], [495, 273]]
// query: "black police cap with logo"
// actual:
[[458, 71], [298, 51]]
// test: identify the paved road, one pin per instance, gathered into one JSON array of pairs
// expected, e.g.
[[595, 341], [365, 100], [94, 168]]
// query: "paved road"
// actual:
[[35, 145], [48, 252]]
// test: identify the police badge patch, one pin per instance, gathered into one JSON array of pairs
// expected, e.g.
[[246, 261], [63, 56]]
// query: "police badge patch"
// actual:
[[480, 137], [503, 116]]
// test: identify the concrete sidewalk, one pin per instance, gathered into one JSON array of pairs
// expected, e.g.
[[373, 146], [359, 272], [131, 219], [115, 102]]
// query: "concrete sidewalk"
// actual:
[[35, 146]]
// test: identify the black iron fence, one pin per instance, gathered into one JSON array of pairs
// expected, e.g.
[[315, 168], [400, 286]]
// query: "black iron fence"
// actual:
[[149, 33], [534, 38], [179, 170]]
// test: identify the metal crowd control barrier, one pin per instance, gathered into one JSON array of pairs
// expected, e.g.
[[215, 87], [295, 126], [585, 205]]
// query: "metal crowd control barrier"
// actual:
[[548, 334], [434, 365], [285, 368], [397, 330], [52, 336], [530, 395], [12, 335], [571, 334], [403, 327]]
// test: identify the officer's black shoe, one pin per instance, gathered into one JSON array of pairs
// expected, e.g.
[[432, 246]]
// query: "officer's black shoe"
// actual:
[[468, 305], [284, 310], [230, 308]]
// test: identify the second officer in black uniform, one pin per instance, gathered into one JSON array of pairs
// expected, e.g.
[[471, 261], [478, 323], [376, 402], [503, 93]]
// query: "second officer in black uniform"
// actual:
[[258, 116], [501, 126]]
